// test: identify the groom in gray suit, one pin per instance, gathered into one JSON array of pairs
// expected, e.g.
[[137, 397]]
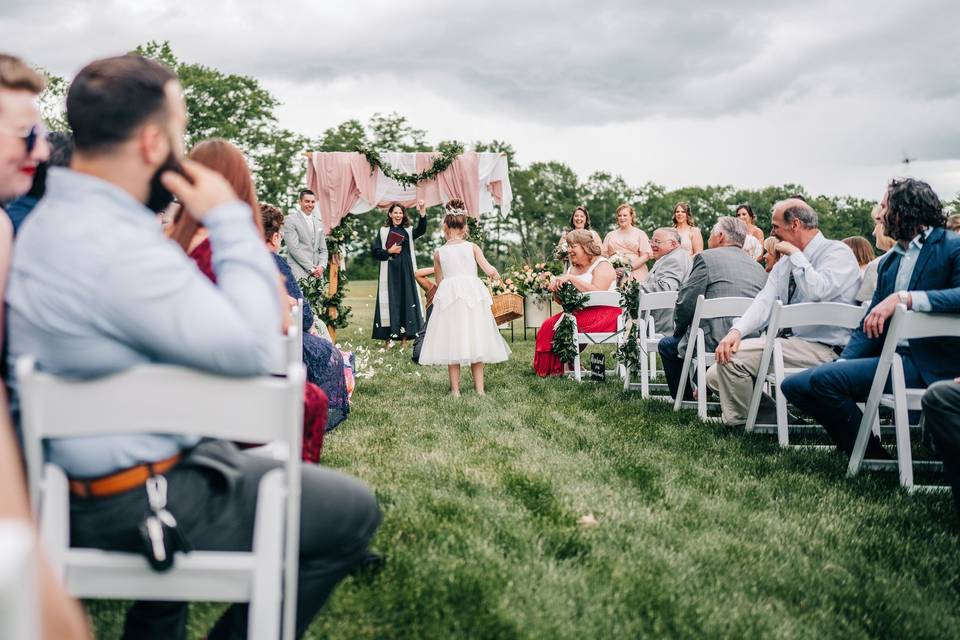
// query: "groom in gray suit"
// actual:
[[723, 270], [303, 235], [668, 273]]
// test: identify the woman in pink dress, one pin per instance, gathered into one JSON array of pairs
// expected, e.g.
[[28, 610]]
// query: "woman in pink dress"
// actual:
[[629, 241], [588, 271], [690, 237]]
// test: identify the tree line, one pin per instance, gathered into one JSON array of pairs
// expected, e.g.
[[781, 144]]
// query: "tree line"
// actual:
[[240, 109]]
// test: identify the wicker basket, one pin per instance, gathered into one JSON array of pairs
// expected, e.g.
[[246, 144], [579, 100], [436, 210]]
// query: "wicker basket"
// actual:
[[507, 307]]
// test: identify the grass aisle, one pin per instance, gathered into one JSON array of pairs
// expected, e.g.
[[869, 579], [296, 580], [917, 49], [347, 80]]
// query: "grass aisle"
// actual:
[[702, 531]]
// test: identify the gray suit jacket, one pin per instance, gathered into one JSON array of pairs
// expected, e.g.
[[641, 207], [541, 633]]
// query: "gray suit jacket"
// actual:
[[717, 273], [305, 251], [667, 274]]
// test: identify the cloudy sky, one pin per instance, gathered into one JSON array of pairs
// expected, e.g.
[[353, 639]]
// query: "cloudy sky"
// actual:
[[828, 94]]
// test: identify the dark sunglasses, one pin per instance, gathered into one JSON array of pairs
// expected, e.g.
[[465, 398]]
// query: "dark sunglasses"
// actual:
[[35, 133]]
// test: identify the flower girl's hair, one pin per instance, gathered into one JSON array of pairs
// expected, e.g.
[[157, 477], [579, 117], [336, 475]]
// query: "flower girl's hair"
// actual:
[[456, 217]]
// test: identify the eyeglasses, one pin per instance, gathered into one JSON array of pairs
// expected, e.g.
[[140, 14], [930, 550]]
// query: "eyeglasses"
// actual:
[[30, 139]]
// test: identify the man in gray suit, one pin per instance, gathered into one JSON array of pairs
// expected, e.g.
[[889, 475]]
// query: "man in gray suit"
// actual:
[[668, 273], [721, 271], [304, 238]]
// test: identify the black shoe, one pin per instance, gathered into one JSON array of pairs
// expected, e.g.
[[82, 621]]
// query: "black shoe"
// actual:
[[369, 565]]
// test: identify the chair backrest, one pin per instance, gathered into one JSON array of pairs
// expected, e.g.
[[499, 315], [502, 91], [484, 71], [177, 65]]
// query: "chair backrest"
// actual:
[[603, 299], [160, 399], [717, 308], [657, 300], [835, 314]]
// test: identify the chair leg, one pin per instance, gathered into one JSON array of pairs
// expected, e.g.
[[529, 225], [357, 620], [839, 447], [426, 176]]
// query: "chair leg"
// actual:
[[644, 376], [783, 428], [701, 378], [902, 424]]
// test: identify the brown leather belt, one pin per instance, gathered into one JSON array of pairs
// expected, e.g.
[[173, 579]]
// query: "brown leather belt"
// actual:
[[122, 481]]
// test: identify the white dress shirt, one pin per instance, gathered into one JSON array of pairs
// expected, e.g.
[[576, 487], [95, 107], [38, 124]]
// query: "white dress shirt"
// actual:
[[825, 271]]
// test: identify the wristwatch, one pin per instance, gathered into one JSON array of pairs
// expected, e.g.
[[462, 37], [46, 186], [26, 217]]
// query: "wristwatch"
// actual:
[[904, 298]]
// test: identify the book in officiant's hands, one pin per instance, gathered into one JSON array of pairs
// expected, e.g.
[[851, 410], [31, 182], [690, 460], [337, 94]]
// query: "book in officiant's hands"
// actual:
[[394, 238]]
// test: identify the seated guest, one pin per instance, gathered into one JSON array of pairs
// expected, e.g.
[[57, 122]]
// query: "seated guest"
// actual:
[[721, 271], [324, 361], [884, 243], [628, 241], [61, 148], [921, 272], [228, 161], [941, 412], [22, 151], [588, 271], [96, 288], [671, 268], [862, 251], [813, 269], [690, 237], [580, 219], [770, 255]]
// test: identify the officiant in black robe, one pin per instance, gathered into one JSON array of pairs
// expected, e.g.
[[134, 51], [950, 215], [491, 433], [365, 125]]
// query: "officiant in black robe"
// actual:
[[398, 313]]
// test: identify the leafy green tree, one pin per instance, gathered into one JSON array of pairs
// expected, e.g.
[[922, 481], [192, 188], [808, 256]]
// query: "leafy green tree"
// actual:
[[239, 109], [602, 193]]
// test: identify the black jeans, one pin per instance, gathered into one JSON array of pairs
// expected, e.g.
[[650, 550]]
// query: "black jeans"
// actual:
[[213, 495], [941, 410], [673, 365], [831, 391]]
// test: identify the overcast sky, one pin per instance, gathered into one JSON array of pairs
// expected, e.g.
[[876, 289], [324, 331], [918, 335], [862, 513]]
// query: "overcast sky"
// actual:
[[828, 94]]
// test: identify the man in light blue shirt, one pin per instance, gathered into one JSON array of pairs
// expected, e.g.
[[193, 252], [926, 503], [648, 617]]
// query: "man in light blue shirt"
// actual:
[[96, 288], [813, 269]]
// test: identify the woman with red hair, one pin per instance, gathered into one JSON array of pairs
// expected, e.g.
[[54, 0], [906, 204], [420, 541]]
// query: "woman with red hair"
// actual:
[[224, 158]]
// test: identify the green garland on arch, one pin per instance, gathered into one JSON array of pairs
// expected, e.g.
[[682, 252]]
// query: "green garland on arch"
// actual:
[[447, 155]]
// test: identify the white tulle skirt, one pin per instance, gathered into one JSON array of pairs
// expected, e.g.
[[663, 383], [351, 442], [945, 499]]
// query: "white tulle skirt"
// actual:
[[461, 329]]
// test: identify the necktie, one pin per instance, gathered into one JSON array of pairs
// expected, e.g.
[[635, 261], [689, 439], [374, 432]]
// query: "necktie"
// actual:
[[791, 289]]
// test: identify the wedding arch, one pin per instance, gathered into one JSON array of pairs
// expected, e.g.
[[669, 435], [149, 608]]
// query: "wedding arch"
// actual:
[[355, 182]]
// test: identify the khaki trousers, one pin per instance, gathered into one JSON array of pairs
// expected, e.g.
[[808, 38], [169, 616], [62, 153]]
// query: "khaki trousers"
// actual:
[[735, 380]]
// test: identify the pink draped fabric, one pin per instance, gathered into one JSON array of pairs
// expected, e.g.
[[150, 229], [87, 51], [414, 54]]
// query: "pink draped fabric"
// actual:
[[339, 179]]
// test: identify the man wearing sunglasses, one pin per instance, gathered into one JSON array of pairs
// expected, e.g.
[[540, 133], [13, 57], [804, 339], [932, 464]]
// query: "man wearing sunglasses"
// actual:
[[23, 143]]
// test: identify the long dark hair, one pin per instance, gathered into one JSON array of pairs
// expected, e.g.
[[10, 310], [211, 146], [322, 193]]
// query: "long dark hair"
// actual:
[[911, 204], [406, 218], [586, 214], [745, 205]]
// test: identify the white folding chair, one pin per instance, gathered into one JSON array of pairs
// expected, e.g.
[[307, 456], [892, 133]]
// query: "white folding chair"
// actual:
[[790, 317], [19, 609], [732, 307], [138, 401], [648, 338], [905, 325], [597, 299]]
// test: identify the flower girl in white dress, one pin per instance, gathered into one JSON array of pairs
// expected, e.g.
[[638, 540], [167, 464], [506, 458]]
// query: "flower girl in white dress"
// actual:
[[461, 328]]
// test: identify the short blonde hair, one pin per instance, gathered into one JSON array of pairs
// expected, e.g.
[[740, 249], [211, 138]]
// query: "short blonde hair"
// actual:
[[585, 239]]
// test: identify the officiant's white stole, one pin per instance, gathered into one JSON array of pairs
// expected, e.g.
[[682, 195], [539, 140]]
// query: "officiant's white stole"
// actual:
[[383, 297]]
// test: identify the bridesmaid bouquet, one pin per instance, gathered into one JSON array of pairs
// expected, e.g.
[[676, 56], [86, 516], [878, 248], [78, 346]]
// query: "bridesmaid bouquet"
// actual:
[[562, 251], [622, 264]]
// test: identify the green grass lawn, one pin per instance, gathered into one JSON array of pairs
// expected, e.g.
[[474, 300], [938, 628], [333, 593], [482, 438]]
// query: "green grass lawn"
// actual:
[[701, 530]]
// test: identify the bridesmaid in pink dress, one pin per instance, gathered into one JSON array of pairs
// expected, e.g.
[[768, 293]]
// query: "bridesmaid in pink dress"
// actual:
[[627, 240], [690, 237]]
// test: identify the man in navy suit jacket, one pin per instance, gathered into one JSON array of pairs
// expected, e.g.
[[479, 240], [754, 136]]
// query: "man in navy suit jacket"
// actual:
[[922, 272]]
